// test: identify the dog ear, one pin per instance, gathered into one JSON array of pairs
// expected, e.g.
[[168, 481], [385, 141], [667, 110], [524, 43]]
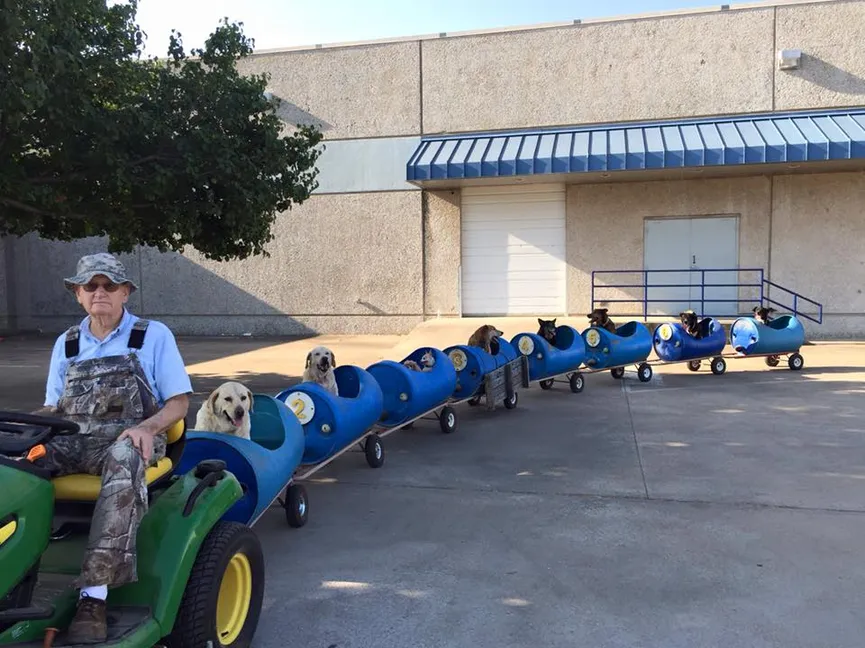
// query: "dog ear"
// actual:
[[333, 359], [308, 360], [211, 400], [540, 321], [251, 400], [554, 321]]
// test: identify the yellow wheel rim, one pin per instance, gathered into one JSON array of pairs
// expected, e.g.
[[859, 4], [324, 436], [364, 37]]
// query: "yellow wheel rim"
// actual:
[[235, 593]]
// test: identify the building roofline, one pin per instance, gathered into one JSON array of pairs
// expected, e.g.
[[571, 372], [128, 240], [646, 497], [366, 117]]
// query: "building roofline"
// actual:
[[673, 13]]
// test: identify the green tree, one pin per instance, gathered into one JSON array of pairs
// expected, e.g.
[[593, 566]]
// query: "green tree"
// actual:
[[98, 140]]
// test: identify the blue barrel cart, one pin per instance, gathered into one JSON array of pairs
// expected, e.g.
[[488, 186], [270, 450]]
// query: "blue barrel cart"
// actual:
[[673, 344], [264, 464], [332, 425], [411, 395], [629, 345], [782, 336], [494, 376], [548, 363]]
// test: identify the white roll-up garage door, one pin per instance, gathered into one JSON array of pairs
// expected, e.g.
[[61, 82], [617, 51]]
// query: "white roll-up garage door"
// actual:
[[513, 250]]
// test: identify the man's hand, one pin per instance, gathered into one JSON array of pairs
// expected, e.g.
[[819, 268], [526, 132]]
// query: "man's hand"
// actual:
[[141, 439]]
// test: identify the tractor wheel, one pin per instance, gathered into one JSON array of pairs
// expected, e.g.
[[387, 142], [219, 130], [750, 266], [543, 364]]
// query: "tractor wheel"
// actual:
[[222, 600]]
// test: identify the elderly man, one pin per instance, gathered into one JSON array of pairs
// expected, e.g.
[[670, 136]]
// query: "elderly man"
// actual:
[[122, 379]]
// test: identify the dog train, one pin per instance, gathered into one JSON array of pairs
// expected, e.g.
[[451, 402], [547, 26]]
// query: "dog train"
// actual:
[[271, 443]]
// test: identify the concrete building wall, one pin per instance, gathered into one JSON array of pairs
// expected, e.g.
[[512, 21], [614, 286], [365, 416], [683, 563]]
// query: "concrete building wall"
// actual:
[[442, 252], [818, 246]]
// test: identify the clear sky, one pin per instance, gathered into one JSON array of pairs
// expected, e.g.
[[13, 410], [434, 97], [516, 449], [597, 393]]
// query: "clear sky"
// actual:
[[288, 23]]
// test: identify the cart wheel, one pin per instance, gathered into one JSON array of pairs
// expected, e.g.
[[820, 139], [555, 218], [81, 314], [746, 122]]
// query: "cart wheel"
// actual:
[[296, 506], [694, 365], [222, 600], [719, 366], [577, 382], [448, 419], [796, 362], [644, 372], [511, 402], [617, 372], [773, 361], [374, 450], [546, 384]]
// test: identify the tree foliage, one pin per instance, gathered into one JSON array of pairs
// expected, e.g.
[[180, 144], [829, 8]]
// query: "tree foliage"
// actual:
[[97, 140]]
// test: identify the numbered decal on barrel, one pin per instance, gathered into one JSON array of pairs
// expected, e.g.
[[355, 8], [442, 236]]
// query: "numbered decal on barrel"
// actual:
[[665, 332], [458, 358], [302, 406], [593, 338], [526, 345]]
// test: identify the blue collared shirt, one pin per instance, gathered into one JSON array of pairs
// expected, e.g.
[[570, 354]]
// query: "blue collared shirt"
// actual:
[[159, 357]]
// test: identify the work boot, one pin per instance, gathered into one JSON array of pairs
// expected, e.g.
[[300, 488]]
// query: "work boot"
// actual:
[[90, 624]]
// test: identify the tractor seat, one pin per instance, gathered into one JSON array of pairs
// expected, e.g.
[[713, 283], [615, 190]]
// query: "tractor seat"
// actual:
[[85, 488]]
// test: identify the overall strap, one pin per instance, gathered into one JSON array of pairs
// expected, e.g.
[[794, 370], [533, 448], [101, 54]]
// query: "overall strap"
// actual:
[[72, 341], [136, 335]]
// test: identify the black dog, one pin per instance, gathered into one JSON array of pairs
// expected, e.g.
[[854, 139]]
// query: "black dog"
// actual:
[[762, 313], [547, 330], [691, 323], [600, 319]]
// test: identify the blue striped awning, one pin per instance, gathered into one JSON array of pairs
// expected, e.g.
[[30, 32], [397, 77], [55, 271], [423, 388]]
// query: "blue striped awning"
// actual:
[[752, 139]]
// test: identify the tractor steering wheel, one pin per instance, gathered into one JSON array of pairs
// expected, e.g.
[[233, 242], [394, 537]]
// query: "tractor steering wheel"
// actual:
[[19, 432]]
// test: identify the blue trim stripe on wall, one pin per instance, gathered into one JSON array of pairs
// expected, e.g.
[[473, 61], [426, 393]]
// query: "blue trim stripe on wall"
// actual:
[[747, 139]]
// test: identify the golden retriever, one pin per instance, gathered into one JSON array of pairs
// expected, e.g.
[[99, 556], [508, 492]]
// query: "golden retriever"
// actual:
[[320, 363], [226, 410], [485, 337]]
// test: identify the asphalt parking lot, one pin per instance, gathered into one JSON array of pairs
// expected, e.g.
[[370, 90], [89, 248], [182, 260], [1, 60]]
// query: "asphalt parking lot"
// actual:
[[694, 510]]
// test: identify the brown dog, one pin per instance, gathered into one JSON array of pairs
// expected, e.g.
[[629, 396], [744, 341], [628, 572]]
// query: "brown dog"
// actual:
[[484, 337], [763, 313], [600, 319], [691, 323]]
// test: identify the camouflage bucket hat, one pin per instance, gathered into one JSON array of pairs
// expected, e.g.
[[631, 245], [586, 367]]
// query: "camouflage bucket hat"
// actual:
[[99, 264]]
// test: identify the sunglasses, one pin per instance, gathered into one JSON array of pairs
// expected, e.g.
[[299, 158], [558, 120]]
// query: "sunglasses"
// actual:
[[109, 286]]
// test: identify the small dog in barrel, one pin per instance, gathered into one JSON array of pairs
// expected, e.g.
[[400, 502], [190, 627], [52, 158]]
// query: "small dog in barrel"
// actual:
[[600, 319], [547, 330], [427, 362], [763, 314], [691, 323], [486, 337]]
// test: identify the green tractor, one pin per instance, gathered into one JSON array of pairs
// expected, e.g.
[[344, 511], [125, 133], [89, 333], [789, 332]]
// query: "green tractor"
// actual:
[[200, 579]]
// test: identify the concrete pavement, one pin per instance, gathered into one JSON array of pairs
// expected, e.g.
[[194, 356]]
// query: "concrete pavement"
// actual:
[[694, 510]]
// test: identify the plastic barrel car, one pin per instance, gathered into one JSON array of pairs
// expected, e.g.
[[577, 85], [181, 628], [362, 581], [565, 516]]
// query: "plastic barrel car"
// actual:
[[493, 375], [332, 424], [264, 464], [630, 344], [673, 343], [783, 335], [410, 394], [548, 361], [200, 577]]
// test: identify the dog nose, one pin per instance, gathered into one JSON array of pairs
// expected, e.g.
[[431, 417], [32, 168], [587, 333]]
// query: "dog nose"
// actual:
[[238, 412]]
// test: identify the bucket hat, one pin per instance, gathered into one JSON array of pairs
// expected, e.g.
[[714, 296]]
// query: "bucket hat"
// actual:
[[101, 263]]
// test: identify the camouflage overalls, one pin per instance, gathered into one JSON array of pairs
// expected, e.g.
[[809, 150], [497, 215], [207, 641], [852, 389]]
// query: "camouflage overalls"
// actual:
[[107, 396]]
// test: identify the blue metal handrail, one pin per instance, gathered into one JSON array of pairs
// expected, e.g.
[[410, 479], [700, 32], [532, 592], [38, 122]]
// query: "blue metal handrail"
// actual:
[[762, 283]]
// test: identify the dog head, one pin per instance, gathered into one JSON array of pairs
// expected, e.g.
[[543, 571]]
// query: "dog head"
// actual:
[[688, 319], [598, 317], [321, 359], [231, 401], [547, 329], [428, 359], [763, 313]]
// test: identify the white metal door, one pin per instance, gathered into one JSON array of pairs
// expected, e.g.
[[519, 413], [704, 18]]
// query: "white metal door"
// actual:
[[698, 244], [513, 250]]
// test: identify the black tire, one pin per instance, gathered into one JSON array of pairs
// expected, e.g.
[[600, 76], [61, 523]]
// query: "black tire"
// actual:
[[547, 384], [196, 622], [796, 362], [296, 506], [511, 403], [719, 366], [374, 451], [644, 372], [773, 361], [694, 365], [448, 421], [577, 382], [617, 372]]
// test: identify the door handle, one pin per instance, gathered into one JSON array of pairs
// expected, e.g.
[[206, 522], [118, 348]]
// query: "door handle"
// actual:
[[693, 259]]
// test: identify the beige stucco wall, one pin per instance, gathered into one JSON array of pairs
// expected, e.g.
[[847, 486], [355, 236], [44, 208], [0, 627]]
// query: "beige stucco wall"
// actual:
[[818, 245], [368, 91], [640, 69], [831, 37], [605, 227], [442, 240]]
